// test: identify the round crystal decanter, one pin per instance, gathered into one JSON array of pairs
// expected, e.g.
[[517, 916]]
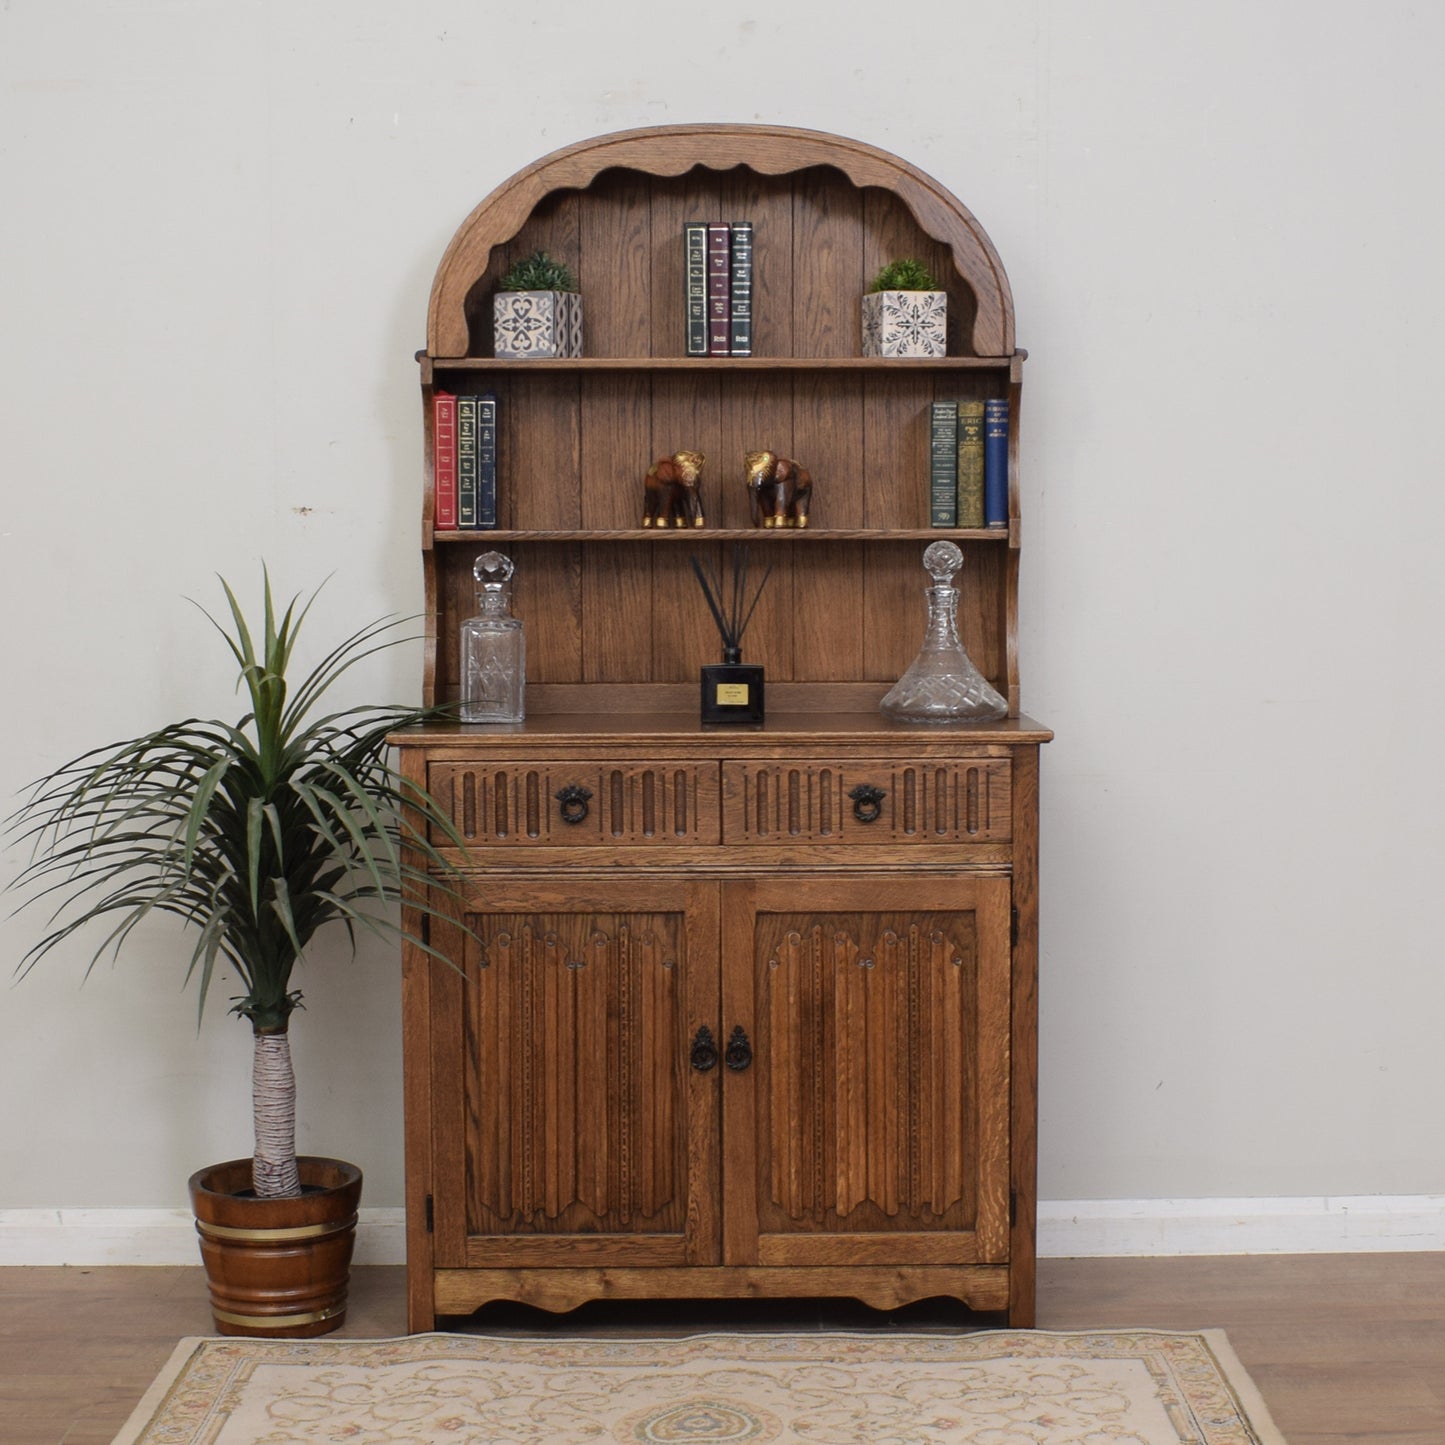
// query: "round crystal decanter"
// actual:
[[493, 648], [942, 684]]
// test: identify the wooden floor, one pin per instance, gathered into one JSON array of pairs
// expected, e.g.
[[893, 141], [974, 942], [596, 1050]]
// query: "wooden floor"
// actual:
[[1342, 1347]]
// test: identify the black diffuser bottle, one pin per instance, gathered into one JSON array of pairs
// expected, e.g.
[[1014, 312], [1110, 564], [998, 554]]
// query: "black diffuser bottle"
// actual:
[[732, 691]]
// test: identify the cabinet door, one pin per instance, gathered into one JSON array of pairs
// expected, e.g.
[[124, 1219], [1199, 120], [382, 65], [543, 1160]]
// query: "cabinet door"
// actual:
[[569, 1128], [872, 1125]]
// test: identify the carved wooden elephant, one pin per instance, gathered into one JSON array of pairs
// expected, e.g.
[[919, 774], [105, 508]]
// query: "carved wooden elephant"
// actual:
[[672, 495], [779, 490]]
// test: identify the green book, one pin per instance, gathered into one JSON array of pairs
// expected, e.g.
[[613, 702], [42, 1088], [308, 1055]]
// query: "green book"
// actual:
[[970, 464], [694, 237], [466, 461], [943, 466]]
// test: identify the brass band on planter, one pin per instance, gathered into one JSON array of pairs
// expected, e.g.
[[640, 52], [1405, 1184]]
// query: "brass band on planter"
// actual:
[[278, 1236], [276, 1322]]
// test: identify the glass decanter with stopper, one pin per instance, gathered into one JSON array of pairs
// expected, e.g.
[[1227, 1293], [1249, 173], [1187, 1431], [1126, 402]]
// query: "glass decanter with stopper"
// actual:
[[494, 648], [942, 685]]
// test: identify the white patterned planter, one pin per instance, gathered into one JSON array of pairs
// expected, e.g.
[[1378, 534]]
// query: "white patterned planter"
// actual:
[[905, 323], [537, 323]]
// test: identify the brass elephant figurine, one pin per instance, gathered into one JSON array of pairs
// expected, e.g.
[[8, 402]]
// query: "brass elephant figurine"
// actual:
[[672, 495], [779, 490]]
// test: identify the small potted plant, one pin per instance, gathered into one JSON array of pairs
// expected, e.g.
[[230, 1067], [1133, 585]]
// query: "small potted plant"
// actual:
[[905, 313], [537, 311], [257, 834]]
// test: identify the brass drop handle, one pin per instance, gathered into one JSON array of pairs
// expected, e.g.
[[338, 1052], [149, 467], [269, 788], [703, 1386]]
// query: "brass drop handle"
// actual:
[[739, 1052], [704, 1050], [575, 802], [867, 802]]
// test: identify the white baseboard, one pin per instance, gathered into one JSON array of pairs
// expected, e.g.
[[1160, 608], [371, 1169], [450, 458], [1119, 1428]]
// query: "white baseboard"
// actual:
[[154, 1236], [1075, 1228], [1342, 1224]]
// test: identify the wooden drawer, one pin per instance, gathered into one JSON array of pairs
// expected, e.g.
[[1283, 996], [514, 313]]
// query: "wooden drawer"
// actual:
[[871, 800], [578, 804]]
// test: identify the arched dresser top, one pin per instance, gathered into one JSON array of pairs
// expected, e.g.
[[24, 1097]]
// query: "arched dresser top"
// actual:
[[674, 150]]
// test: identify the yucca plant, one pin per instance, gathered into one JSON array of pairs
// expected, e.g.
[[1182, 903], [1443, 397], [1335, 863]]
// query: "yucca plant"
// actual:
[[258, 834]]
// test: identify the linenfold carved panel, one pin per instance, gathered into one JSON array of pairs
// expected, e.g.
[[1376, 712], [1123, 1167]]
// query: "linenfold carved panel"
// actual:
[[868, 801], [870, 1044], [573, 1040], [577, 804]]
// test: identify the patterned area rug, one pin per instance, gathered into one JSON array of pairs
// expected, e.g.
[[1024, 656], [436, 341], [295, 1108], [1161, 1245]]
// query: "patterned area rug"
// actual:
[[1005, 1387]]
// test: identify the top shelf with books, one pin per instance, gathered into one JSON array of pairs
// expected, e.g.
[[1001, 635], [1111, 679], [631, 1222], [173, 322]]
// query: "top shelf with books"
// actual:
[[827, 214]]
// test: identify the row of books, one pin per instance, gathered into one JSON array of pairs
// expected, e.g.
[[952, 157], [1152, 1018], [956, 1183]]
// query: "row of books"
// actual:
[[719, 272], [968, 464], [464, 433]]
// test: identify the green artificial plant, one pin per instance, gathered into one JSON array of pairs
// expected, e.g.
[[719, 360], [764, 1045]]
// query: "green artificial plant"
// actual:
[[905, 275], [538, 272], [258, 834]]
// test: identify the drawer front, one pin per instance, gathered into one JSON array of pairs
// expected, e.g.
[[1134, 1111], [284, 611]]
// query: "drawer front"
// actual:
[[958, 800], [571, 804]]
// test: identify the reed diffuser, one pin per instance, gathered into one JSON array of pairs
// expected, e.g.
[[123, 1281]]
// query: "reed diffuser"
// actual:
[[731, 691]]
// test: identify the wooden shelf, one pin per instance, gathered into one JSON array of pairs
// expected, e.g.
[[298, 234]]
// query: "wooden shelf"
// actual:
[[663, 535], [610, 603], [721, 363]]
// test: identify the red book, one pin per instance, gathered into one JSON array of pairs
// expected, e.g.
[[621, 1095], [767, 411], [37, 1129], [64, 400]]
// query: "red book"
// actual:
[[444, 463], [719, 290]]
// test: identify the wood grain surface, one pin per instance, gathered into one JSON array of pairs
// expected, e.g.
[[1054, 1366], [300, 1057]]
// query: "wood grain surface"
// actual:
[[867, 1133]]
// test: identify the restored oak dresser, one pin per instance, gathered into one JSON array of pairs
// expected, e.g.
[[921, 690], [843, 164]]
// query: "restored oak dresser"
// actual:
[[723, 1010]]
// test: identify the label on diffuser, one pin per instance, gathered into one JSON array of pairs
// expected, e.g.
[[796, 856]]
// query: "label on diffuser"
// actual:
[[732, 694]]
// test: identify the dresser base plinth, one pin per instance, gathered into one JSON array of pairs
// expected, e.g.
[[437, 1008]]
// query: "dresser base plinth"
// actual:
[[979, 1287]]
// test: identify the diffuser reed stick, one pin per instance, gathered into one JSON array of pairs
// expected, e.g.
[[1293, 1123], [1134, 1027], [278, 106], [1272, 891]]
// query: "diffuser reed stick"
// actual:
[[732, 623]]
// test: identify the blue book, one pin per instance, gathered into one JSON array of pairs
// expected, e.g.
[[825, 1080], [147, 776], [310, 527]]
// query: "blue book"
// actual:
[[995, 464], [486, 460]]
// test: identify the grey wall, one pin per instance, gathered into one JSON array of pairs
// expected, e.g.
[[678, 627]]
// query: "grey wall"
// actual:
[[1223, 226]]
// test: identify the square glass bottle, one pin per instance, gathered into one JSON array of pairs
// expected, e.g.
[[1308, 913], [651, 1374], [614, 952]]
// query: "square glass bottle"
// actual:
[[493, 648]]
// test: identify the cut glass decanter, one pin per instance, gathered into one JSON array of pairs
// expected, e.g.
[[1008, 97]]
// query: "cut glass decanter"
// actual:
[[493, 648], [942, 684]]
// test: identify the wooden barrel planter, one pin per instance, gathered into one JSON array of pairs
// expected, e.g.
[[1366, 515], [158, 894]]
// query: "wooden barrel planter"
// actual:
[[277, 1267]]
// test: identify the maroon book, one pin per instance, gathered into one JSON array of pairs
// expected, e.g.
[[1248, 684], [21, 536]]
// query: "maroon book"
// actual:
[[444, 461], [719, 290]]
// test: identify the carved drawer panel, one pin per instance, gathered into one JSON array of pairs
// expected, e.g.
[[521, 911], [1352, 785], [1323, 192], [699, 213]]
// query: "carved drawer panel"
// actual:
[[959, 800], [572, 804]]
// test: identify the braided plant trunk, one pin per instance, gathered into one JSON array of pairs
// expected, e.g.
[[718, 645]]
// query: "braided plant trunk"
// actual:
[[273, 1098]]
